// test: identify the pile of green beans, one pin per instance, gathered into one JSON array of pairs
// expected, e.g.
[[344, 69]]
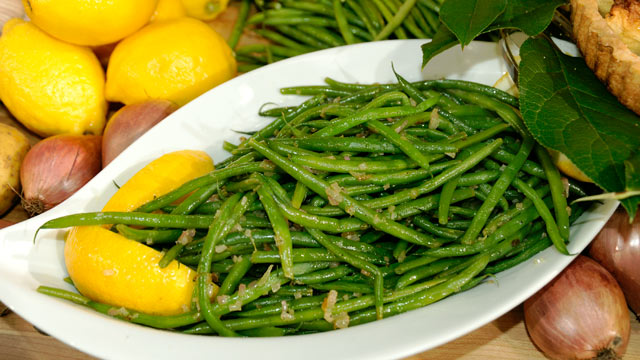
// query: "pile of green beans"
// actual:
[[362, 202], [295, 27]]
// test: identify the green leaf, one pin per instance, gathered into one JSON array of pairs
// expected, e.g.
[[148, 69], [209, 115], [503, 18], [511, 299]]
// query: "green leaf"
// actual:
[[530, 16], [566, 108], [442, 40], [469, 18], [632, 176]]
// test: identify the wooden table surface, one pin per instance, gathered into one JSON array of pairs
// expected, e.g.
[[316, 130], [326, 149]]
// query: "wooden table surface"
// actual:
[[504, 338]]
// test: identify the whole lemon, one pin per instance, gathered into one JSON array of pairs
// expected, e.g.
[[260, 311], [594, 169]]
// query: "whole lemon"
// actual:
[[109, 268], [95, 22], [168, 9], [50, 86], [205, 9], [175, 60]]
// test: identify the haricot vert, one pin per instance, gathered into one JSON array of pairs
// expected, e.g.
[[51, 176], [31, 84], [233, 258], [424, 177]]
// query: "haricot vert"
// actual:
[[364, 201]]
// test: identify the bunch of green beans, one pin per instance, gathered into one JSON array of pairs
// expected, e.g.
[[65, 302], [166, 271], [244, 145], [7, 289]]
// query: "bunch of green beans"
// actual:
[[295, 27], [362, 202]]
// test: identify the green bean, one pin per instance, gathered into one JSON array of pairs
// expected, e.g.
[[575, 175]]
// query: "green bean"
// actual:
[[503, 110], [407, 147], [427, 203], [545, 214], [149, 236], [281, 230], [348, 306], [509, 173], [436, 182], [302, 37], [323, 276], [216, 231], [373, 14], [345, 202], [524, 255], [295, 304], [425, 224], [388, 16], [352, 165], [356, 262], [429, 295], [397, 20], [361, 145], [170, 255], [557, 193], [426, 271], [346, 286], [445, 200], [312, 90], [485, 90], [360, 13], [322, 33], [341, 125], [239, 24], [459, 124], [236, 273], [483, 192], [343, 25], [308, 255], [130, 218], [215, 176], [393, 178]]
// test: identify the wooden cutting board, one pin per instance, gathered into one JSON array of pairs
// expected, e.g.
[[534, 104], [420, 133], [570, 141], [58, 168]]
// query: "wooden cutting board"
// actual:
[[504, 338]]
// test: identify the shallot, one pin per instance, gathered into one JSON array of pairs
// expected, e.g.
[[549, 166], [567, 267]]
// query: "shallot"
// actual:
[[581, 314], [57, 167], [129, 123], [617, 248]]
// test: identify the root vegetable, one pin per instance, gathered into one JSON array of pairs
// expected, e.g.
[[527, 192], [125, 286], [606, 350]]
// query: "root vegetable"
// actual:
[[57, 167], [13, 148], [581, 314], [617, 248], [129, 123]]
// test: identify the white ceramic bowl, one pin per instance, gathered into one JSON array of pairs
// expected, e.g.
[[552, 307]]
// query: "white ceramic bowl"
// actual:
[[204, 124]]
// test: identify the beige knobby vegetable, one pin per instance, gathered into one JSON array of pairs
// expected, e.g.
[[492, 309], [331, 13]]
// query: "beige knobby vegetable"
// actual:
[[13, 148]]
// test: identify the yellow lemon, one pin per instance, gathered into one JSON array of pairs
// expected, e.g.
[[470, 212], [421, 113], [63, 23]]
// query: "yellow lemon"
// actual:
[[112, 269], [95, 22], [175, 60], [567, 167], [52, 87], [168, 9], [159, 177], [205, 9]]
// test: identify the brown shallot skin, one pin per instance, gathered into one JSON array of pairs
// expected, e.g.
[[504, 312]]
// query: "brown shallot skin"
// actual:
[[617, 248], [129, 123], [57, 167], [581, 314]]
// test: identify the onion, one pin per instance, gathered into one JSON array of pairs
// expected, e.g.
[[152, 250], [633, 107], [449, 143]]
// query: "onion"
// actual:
[[617, 248], [57, 167], [581, 314], [129, 123]]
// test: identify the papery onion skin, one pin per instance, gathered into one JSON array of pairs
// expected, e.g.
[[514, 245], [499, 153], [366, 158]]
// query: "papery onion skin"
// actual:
[[617, 248], [129, 123], [581, 314], [57, 167]]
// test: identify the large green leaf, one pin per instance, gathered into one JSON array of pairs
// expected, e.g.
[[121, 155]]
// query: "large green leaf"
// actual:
[[530, 16], [566, 108], [632, 176], [469, 18], [442, 40]]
